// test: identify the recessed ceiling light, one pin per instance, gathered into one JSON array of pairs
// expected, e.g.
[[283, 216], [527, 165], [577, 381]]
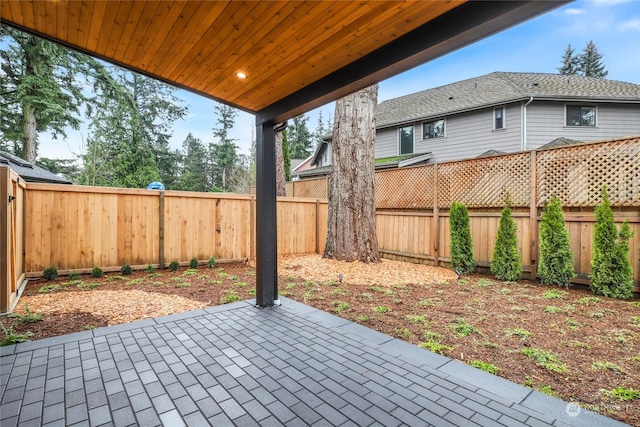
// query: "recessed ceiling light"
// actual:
[[241, 75]]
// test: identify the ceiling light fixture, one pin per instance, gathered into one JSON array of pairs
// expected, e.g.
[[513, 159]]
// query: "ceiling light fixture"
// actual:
[[241, 75]]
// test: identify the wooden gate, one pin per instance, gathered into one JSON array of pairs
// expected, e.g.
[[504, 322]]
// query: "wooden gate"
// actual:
[[12, 233]]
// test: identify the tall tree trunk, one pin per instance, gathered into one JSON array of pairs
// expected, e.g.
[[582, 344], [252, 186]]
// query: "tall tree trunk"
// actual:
[[351, 229], [280, 175], [29, 147]]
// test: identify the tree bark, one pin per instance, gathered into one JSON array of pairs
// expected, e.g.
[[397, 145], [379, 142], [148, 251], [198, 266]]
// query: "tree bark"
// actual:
[[29, 147], [280, 175], [351, 228]]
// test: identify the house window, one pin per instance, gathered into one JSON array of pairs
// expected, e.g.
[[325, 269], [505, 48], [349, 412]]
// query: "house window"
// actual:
[[405, 135], [581, 115], [498, 118], [434, 129]]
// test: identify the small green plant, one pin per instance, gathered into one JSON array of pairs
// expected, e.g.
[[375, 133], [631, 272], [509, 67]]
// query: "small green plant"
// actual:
[[339, 291], [11, 337], [174, 265], [574, 324], [233, 278], [552, 309], [635, 320], [331, 283], [126, 270], [366, 295], [381, 309], [73, 275], [50, 273], [625, 394], [487, 367], [183, 285], [222, 274], [414, 318], [190, 272], [546, 389], [211, 262], [598, 366], [462, 327], [28, 317], [340, 306], [134, 282], [546, 359], [462, 260], [426, 303], [89, 327], [505, 262], [240, 284], [589, 300], [48, 288], [193, 263], [88, 286], [149, 268], [556, 258], [290, 285], [252, 292], [389, 293], [230, 295], [611, 273], [402, 333], [114, 278], [485, 282], [554, 294], [523, 334], [97, 272], [363, 318], [432, 342]]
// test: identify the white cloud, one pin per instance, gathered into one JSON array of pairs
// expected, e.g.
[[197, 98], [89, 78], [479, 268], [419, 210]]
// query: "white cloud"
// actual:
[[574, 11], [633, 24]]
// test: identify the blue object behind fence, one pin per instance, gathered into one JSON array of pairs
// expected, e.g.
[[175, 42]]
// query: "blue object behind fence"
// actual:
[[155, 185]]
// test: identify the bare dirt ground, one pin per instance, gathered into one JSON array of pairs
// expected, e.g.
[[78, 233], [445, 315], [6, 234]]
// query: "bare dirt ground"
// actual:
[[567, 343]]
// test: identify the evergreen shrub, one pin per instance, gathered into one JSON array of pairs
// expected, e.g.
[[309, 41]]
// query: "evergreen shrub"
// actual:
[[461, 245], [556, 258], [505, 262]]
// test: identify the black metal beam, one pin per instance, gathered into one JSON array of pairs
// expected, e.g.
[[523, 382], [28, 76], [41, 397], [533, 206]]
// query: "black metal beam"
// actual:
[[459, 27], [266, 220]]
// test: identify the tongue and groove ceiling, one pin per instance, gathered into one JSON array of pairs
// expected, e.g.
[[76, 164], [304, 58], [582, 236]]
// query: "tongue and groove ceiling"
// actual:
[[296, 55]]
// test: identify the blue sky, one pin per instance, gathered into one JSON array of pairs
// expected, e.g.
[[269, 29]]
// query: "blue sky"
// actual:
[[534, 46]]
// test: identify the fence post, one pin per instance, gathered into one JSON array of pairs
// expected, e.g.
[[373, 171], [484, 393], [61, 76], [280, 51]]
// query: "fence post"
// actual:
[[436, 218], [317, 226], [252, 233], [161, 230], [533, 216], [5, 233]]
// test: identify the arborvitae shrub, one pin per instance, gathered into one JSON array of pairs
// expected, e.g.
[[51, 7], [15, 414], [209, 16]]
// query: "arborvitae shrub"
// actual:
[[556, 258], [461, 245], [174, 265], [212, 262], [611, 272], [126, 269], [50, 273], [97, 272], [193, 263], [505, 262]]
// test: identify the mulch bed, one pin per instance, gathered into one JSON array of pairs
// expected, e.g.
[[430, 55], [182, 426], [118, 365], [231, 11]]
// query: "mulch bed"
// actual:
[[567, 343]]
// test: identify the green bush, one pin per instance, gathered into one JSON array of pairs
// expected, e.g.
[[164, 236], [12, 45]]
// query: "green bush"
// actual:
[[505, 262], [611, 272], [97, 272], [73, 275], [126, 270], [461, 245], [556, 258], [50, 273], [193, 263], [149, 268], [212, 262], [174, 265]]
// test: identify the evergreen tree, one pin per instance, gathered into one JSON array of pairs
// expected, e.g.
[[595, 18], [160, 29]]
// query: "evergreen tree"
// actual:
[[611, 272], [590, 62], [286, 158], [556, 258], [569, 62], [461, 245], [505, 262], [67, 168], [193, 171], [223, 153], [300, 138]]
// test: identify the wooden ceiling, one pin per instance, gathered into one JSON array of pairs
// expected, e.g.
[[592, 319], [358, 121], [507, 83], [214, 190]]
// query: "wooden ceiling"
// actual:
[[285, 48]]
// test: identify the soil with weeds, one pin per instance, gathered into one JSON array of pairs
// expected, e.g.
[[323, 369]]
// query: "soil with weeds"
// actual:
[[564, 342]]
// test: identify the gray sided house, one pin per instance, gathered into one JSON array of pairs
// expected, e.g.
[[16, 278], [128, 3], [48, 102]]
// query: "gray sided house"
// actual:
[[502, 112]]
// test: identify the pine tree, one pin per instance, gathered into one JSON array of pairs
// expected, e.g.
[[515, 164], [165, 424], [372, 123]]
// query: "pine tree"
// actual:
[[569, 62], [611, 272], [590, 62], [224, 153], [286, 158], [300, 138], [193, 171], [505, 262], [461, 245], [556, 258]]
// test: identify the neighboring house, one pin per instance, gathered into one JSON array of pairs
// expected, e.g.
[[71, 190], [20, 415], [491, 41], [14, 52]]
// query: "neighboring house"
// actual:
[[28, 171], [502, 113]]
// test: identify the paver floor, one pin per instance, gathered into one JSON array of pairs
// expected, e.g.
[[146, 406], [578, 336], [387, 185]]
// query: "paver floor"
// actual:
[[238, 365]]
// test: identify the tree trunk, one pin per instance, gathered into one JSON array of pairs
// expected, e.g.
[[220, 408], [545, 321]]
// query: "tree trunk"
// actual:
[[351, 229], [280, 175], [29, 148]]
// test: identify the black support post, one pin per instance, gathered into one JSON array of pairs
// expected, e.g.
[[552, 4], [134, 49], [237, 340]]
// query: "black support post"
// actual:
[[266, 224]]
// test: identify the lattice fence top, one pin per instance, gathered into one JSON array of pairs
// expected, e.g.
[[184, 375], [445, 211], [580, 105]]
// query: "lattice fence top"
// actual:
[[311, 188], [406, 188], [577, 174], [485, 182], [288, 188]]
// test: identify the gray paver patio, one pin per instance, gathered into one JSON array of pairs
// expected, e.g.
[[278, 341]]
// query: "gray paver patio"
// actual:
[[239, 365]]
